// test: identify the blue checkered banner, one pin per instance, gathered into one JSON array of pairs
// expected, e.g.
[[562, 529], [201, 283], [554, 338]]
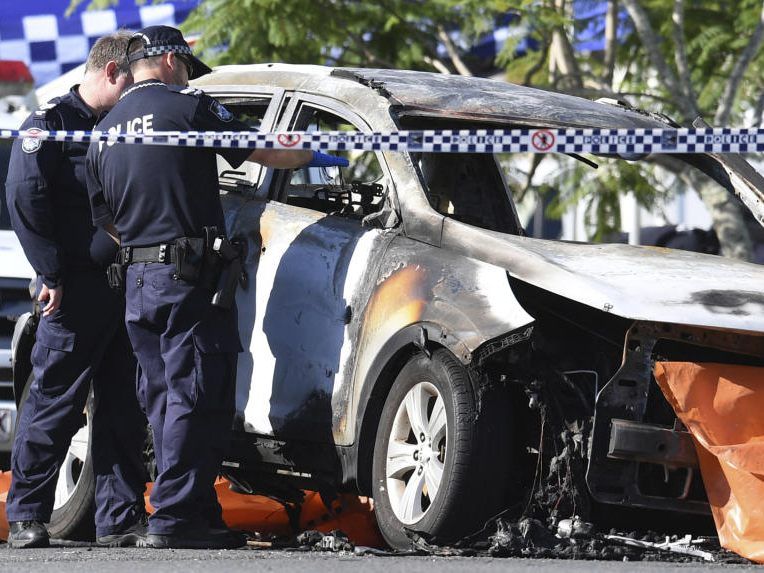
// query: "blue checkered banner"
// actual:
[[37, 32], [628, 143]]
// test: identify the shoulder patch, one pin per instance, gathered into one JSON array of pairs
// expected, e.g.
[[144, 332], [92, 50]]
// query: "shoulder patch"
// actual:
[[220, 111], [31, 144]]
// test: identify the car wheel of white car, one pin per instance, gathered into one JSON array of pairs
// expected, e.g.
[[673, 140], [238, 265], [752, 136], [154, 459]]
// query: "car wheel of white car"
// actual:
[[74, 502], [429, 471]]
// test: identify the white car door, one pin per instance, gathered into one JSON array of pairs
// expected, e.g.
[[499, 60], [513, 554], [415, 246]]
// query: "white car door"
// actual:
[[311, 269]]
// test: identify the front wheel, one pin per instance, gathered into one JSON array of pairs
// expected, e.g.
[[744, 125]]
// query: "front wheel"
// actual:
[[439, 464], [74, 502]]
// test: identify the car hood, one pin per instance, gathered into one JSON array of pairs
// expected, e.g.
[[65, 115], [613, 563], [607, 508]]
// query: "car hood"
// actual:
[[640, 283]]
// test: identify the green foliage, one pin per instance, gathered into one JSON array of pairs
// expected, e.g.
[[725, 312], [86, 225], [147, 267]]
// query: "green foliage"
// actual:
[[716, 33], [388, 33], [599, 191]]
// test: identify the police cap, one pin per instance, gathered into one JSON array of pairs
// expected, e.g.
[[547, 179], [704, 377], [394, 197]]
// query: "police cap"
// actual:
[[157, 40]]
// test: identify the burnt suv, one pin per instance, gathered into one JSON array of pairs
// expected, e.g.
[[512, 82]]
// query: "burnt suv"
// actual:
[[404, 339]]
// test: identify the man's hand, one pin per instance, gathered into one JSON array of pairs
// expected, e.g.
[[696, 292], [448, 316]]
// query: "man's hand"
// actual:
[[53, 297]]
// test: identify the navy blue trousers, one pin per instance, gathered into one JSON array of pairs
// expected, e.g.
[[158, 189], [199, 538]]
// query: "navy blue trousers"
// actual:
[[83, 341], [186, 350]]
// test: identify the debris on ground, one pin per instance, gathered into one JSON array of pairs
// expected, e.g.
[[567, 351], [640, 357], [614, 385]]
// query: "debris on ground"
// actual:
[[685, 546], [554, 519], [335, 541]]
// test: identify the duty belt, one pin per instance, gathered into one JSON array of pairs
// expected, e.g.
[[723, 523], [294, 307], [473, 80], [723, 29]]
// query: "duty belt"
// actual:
[[164, 253]]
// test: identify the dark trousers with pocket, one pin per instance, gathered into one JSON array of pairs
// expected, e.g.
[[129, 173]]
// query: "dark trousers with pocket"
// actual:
[[84, 341], [186, 350]]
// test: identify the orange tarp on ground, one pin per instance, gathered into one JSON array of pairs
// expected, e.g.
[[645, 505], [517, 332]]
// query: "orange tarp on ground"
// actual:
[[352, 514], [722, 406], [5, 484]]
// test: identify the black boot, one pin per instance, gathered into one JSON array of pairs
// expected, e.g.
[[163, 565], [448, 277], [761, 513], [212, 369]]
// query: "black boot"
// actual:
[[28, 534], [201, 538], [128, 537]]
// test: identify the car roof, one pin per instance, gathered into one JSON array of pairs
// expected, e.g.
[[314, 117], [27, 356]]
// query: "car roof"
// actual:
[[427, 94], [481, 99]]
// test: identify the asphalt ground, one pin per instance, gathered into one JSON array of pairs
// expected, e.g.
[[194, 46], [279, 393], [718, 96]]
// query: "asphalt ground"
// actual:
[[98, 560]]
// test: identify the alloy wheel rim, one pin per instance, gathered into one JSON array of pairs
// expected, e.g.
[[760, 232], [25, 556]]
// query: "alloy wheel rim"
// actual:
[[416, 452], [71, 468]]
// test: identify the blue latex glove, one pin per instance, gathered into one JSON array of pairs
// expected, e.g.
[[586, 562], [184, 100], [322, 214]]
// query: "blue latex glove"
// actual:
[[325, 160]]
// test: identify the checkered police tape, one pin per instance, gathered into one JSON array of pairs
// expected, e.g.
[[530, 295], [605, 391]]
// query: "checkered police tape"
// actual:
[[624, 142]]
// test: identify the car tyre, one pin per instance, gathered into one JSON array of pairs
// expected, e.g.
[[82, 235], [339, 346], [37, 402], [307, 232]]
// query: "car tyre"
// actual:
[[466, 449], [73, 514]]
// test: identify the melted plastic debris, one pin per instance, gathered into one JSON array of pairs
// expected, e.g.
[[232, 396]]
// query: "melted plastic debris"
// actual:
[[335, 541], [531, 538]]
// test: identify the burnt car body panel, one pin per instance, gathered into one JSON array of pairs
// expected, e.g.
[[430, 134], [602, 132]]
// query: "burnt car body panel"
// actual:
[[336, 307], [641, 283]]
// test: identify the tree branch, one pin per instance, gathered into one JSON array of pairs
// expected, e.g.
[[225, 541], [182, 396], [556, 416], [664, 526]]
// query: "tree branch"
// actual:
[[611, 41], [562, 57], [437, 64], [460, 66], [535, 68], [651, 44], [758, 110], [724, 108], [680, 53], [535, 162]]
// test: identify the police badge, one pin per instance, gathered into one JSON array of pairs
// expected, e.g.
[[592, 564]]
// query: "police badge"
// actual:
[[31, 144], [220, 111]]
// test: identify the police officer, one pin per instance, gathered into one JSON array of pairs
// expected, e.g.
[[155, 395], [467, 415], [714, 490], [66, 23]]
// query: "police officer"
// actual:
[[81, 335], [162, 202]]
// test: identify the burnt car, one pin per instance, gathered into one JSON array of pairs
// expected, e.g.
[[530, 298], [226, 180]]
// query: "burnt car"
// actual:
[[405, 340]]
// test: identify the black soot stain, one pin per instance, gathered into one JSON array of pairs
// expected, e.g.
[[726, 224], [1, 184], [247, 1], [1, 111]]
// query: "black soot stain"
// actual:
[[728, 301]]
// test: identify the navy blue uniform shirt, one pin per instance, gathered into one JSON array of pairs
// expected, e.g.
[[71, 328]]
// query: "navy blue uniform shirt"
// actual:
[[47, 196], [155, 194]]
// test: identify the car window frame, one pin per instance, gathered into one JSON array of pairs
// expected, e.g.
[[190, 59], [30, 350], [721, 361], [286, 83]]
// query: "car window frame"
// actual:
[[296, 101], [279, 99]]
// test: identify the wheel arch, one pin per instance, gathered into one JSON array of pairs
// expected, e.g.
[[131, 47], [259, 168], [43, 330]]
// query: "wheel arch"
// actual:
[[419, 337]]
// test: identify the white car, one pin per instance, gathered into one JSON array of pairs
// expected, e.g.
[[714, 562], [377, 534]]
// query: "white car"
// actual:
[[404, 339]]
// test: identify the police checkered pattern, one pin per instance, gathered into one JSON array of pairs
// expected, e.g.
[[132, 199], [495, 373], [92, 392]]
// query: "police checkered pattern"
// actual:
[[157, 50], [624, 142], [51, 44]]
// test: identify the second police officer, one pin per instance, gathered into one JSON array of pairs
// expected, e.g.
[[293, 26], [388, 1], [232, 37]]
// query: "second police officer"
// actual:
[[163, 203], [81, 336]]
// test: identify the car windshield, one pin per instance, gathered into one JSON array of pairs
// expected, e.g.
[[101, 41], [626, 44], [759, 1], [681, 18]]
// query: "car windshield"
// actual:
[[5, 155]]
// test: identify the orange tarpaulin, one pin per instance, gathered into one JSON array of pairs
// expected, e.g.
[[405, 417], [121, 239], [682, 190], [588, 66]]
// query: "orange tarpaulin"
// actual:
[[352, 514], [5, 483], [722, 406]]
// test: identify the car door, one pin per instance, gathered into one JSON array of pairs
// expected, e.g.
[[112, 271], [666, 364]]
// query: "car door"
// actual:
[[313, 247]]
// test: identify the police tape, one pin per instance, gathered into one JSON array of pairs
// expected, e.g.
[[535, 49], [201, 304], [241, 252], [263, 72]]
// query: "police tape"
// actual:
[[625, 142]]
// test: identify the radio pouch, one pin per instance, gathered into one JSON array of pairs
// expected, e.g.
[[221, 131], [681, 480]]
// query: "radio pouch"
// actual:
[[189, 258]]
